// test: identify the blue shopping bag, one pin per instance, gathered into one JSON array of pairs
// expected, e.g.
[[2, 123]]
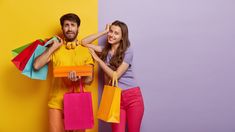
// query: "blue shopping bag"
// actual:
[[40, 74]]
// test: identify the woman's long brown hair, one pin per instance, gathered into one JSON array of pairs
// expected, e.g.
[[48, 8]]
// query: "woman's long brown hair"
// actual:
[[119, 55]]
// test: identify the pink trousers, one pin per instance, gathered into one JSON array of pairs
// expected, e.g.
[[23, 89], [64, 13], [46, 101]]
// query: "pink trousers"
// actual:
[[132, 110]]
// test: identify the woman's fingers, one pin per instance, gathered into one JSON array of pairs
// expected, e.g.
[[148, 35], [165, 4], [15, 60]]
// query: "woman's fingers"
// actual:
[[92, 52]]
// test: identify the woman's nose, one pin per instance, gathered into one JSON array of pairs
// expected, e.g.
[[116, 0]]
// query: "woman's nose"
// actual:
[[111, 34]]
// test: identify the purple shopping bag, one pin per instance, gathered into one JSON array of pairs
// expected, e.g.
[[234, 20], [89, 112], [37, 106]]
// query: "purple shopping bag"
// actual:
[[78, 112]]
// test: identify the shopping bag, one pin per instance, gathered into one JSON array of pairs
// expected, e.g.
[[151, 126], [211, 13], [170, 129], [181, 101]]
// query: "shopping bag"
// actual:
[[109, 109], [78, 112], [40, 74], [16, 51], [84, 70], [22, 58]]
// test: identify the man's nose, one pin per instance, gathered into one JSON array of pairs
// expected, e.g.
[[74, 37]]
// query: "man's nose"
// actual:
[[70, 28]]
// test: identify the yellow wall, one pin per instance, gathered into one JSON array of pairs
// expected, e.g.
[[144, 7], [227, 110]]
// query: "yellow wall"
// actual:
[[23, 102]]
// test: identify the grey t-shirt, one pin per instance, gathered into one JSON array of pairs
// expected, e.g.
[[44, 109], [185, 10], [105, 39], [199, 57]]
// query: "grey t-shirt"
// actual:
[[127, 80]]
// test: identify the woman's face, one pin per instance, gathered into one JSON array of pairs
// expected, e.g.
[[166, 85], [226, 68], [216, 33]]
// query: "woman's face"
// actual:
[[114, 34]]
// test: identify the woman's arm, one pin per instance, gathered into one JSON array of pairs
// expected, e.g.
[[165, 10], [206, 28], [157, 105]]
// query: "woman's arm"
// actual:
[[96, 48], [109, 72], [89, 39], [120, 70]]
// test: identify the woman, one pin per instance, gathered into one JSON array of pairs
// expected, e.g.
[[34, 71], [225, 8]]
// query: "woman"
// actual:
[[117, 55]]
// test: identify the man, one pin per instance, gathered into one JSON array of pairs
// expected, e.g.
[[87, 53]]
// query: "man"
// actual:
[[66, 52]]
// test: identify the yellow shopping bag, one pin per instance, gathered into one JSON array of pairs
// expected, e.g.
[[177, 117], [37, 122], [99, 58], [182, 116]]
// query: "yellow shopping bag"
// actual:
[[109, 109]]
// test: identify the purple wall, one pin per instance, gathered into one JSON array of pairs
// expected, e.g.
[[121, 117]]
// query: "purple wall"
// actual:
[[184, 61]]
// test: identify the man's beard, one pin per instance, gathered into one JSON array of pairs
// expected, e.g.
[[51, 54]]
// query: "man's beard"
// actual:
[[68, 38]]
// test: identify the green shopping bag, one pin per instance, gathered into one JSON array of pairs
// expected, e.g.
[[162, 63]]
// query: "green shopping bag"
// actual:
[[16, 51]]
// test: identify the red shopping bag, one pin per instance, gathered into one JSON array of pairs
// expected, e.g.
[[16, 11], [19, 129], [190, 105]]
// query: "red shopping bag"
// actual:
[[22, 58], [78, 112]]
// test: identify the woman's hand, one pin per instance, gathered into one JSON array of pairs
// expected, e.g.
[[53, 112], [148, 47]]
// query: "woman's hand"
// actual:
[[94, 55], [107, 28]]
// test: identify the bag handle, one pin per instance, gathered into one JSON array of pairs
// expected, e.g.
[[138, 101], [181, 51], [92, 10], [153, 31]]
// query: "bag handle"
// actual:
[[81, 86], [49, 41], [115, 80], [73, 86]]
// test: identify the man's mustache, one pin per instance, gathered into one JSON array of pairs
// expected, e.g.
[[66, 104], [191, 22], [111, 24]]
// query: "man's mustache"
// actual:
[[70, 32]]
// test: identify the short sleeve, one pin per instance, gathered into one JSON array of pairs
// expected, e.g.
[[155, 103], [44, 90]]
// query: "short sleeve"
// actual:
[[52, 58], [128, 56], [89, 60]]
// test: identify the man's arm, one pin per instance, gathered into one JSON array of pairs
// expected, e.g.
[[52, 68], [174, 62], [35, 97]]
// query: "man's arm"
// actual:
[[72, 75], [45, 57], [88, 80]]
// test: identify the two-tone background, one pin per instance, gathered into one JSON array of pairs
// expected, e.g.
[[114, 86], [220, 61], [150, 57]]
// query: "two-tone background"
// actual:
[[184, 60]]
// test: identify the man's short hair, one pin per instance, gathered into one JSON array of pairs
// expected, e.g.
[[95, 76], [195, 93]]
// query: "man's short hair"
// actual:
[[71, 17]]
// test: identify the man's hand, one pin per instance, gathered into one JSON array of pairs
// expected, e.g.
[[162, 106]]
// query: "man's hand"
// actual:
[[73, 76], [55, 44]]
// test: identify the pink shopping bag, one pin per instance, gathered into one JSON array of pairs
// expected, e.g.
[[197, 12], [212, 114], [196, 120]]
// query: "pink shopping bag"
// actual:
[[78, 112]]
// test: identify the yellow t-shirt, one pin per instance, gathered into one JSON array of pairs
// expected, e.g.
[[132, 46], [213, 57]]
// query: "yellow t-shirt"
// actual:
[[64, 57], [73, 57]]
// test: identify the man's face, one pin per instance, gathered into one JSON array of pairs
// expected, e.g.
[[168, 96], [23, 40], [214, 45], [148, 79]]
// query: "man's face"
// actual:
[[70, 30]]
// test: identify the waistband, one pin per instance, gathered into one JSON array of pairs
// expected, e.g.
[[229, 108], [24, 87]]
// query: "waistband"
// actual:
[[134, 89]]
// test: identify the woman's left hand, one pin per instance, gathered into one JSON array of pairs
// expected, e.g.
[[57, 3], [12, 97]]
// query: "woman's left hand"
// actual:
[[94, 55]]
